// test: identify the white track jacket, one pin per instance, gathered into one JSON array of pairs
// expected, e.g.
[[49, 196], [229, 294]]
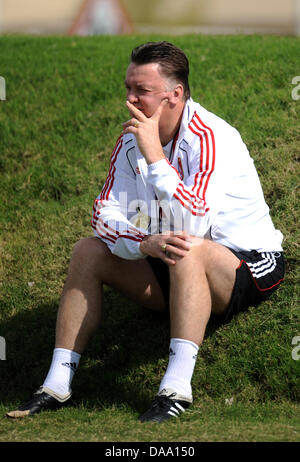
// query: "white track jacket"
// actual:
[[207, 186]]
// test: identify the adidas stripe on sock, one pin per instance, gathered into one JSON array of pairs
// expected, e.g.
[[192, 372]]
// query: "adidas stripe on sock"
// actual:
[[182, 359], [63, 366]]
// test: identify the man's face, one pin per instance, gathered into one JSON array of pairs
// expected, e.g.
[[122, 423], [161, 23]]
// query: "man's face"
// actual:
[[146, 87]]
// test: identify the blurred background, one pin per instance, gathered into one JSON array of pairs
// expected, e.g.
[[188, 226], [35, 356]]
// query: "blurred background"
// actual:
[[96, 17]]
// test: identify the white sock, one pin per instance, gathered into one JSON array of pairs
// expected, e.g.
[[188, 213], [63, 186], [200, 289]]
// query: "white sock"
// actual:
[[182, 359], [62, 369]]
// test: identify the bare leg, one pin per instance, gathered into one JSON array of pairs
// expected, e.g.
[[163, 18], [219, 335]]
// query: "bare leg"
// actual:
[[201, 283], [92, 264]]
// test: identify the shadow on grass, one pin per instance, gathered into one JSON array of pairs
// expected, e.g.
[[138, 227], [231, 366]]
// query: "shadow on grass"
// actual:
[[122, 366]]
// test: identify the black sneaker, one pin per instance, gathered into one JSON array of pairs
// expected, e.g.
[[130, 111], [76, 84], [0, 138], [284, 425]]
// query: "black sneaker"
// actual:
[[43, 399], [165, 405]]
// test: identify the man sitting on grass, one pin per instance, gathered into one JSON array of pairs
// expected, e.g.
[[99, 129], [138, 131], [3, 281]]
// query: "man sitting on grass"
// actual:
[[181, 224]]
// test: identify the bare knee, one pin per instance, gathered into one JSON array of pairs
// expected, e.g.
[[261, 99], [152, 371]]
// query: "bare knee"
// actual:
[[197, 254], [205, 251], [201, 247], [89, 246], [88, 253]]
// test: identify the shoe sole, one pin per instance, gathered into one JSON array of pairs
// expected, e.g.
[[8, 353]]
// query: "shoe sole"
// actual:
[[17, 414]]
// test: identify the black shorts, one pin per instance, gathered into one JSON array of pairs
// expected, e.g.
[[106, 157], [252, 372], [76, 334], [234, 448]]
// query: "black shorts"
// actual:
[[258, 275]]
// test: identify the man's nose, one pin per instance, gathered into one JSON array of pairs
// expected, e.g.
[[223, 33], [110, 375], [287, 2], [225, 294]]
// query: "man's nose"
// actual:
[[132, 97]]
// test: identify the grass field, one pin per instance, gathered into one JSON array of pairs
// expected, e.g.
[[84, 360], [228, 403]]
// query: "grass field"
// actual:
[[63, 112]]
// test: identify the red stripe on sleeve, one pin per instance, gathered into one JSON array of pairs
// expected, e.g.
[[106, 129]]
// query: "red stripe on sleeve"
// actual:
[[110, 178], [213, 152]]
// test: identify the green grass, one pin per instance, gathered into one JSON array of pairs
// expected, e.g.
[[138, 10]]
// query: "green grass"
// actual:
[[58, 125]]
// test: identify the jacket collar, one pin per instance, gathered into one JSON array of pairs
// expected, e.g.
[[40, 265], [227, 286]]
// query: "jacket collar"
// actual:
[[187, 115]]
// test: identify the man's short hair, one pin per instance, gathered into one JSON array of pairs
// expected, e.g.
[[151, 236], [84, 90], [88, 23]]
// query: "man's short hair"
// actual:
[[173, 62]]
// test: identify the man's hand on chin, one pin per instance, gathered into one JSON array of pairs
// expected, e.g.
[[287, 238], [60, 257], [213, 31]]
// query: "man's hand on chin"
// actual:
[[146, 131]]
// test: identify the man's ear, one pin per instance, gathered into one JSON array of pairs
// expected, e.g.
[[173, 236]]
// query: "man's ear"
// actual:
[[176, 94]]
